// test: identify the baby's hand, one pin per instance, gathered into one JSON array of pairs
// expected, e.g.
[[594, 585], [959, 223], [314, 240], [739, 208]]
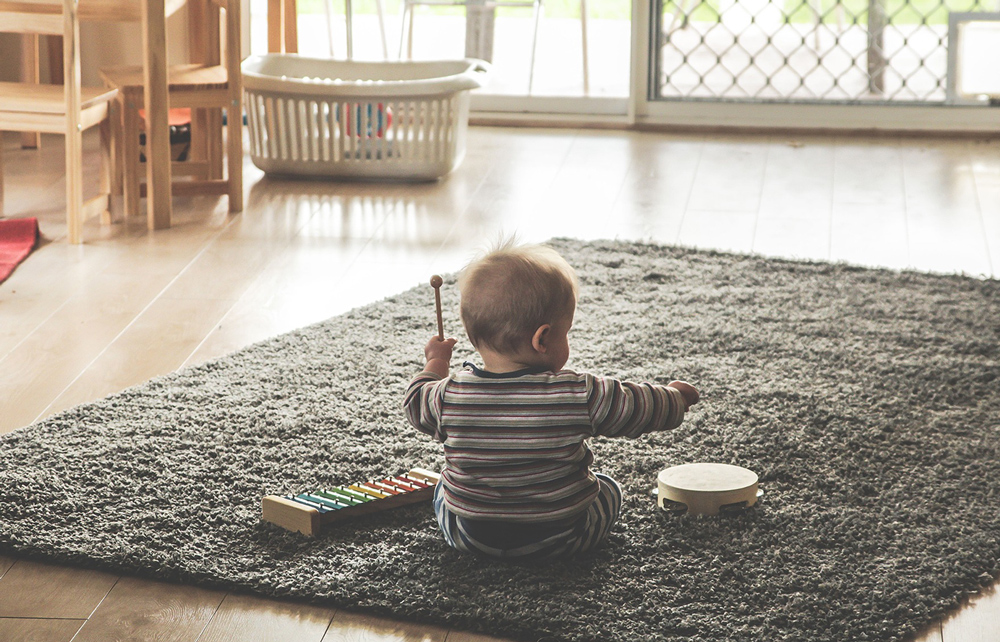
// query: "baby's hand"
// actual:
[[438, 349], [689, 392]]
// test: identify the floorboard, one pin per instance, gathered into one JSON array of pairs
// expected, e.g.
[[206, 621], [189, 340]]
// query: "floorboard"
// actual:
[[252, 619], [35, 590], [36, 630], [141, 610]]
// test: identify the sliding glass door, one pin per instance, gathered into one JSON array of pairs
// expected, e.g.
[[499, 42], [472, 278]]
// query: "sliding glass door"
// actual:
[[547, 55], [830, 64]]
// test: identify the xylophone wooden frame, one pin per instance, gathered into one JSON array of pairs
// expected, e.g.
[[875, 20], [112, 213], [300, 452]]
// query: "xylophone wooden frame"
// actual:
[[293, 515]]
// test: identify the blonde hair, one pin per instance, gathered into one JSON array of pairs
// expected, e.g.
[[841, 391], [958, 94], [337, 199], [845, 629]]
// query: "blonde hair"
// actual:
[[512, 290]]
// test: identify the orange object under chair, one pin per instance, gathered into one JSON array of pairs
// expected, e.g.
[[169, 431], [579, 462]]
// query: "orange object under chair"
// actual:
[[205, 88]]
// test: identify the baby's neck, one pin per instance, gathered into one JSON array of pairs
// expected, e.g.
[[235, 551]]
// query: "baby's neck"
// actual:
[[501, 363]]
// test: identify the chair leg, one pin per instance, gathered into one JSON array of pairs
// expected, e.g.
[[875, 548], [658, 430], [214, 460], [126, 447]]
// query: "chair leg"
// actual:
[[234, 156], [200, 133], [106, 171], [30, 72], [131, 167], [74, 184], [115, 145], [214, 142]]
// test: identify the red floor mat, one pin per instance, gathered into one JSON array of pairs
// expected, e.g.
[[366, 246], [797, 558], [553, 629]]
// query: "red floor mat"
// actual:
[[17, 238]]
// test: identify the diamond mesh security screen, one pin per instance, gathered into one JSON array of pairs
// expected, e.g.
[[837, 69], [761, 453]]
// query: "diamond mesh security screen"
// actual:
[[807, 50]]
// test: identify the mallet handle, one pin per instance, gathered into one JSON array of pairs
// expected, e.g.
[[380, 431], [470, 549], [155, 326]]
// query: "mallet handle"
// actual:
[[436, 282]]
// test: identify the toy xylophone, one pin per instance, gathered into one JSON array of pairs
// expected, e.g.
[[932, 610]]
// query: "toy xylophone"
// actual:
[[310, 512]]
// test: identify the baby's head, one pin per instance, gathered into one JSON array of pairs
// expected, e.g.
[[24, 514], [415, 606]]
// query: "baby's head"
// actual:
[[512, 291]]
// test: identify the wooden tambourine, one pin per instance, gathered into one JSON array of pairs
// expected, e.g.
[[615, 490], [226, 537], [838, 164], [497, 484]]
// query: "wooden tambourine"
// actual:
[[706, 489]]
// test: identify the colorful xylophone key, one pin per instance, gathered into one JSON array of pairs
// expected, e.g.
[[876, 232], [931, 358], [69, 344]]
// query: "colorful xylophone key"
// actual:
[[310, 512]]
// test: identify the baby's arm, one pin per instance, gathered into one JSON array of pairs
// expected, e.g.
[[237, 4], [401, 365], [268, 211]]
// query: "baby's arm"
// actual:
[[422, 403], [627, 409]]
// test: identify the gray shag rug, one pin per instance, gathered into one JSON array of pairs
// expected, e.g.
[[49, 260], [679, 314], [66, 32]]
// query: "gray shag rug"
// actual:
[[867, 400]]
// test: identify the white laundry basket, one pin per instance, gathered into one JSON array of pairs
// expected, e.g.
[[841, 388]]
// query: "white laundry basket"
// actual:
[[365, 120]]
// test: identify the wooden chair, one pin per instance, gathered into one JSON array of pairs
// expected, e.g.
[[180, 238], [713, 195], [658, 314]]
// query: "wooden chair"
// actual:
[[68, 109], [207, 87]]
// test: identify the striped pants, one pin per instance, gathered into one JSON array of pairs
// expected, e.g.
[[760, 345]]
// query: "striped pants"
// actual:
[[586, 533]]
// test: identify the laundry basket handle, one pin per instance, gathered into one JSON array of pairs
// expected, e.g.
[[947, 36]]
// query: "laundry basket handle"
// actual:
[[301, 75], [475, 76], [481, 66]]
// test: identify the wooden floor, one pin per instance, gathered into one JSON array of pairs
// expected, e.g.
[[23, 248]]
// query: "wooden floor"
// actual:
[[80, 322]]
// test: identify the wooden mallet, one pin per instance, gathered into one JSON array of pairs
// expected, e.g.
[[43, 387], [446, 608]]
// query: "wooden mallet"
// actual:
[[436, 283]]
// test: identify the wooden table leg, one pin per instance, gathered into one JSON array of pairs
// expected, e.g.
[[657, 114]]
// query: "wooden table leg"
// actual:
[[282, 26], [274, 28], [157, 100], [291, 20]]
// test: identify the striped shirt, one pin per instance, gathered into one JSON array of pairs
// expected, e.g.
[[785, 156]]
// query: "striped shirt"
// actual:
[[515, 443]]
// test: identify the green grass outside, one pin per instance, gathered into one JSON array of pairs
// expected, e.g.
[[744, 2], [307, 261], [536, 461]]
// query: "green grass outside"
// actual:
[[899, 11], [799, 11]]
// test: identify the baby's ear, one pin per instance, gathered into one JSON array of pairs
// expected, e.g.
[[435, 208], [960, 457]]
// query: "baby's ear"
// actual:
[[540, 339]]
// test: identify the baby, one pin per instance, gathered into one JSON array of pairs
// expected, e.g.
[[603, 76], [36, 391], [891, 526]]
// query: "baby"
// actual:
[[517, 482]]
